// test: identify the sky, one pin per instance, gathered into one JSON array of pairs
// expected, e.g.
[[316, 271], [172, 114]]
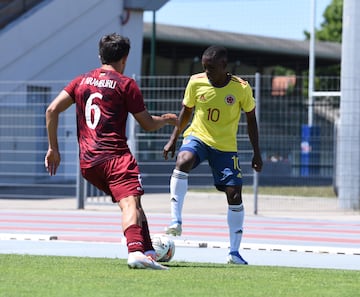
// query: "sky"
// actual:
[[272, 18]]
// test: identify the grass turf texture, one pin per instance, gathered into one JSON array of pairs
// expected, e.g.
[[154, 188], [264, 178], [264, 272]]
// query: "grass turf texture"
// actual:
[[71, 276]]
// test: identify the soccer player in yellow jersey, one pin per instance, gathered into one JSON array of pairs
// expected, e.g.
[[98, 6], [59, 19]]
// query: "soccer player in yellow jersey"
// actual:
[[215, 99]]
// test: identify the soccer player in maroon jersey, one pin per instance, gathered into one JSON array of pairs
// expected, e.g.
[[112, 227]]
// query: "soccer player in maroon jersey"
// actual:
[[103, 99]]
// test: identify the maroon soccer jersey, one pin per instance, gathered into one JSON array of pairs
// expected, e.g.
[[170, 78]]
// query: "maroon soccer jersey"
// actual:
[[103, 100]]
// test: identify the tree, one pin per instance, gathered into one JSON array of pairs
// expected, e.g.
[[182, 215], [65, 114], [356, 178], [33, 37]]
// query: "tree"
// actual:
[[330, 30], [331, 27]]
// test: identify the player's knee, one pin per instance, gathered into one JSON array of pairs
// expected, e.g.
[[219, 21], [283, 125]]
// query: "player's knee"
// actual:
[[185, 161], [131, 203], [234, 197]]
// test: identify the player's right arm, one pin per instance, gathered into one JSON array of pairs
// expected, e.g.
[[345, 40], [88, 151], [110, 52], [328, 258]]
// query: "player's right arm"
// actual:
[[184, 118], [60, 104]]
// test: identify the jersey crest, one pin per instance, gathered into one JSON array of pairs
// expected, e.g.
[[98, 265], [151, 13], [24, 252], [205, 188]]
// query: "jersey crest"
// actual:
[[229, 99]]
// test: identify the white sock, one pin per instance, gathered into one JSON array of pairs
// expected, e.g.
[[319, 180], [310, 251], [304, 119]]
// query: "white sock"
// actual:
[[178, 189], [235, 218]]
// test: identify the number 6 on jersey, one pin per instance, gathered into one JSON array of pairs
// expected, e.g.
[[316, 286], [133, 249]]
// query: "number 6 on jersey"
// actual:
[[92, 111]]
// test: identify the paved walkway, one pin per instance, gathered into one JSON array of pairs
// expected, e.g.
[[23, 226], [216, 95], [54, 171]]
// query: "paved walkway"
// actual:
[[207, 203], [287, 231]]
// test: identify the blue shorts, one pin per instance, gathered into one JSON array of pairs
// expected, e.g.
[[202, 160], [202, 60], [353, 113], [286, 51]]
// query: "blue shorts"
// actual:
[[225, 166]]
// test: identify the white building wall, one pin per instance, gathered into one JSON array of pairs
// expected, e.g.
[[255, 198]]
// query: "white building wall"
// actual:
[[58, 40]]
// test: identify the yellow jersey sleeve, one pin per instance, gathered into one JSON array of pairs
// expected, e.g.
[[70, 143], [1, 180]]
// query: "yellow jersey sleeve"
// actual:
[[217, 111]]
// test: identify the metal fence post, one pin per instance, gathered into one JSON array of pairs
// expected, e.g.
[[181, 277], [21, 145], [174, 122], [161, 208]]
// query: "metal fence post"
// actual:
[[131, 130], [257, 111]]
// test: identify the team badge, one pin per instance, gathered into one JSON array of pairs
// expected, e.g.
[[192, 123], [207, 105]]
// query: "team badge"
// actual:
[[229, 99], [186, 141]]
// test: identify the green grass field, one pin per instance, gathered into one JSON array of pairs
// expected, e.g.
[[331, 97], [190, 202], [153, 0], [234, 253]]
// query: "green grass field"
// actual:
[[44, 276]]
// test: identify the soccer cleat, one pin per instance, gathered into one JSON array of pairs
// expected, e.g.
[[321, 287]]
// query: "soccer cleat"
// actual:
[[174, 229], [137, 260], [151, 254], [235, 258]]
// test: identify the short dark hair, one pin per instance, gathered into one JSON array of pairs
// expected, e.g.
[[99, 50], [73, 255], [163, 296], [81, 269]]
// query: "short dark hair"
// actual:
[[215, 52], [113, 47]]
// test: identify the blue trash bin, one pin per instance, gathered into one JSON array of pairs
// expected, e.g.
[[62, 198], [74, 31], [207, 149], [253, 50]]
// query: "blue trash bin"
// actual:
[[310, 150]]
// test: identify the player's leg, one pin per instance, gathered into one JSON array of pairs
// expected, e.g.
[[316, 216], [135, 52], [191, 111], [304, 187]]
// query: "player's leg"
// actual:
[[235, 219], [124, 182], [228, 178], [178, 190], [134, 233], [148, 246], [190, 155], [131, 224]]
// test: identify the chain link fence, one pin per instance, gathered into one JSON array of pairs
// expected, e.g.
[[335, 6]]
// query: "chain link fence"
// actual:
[[293, 152]]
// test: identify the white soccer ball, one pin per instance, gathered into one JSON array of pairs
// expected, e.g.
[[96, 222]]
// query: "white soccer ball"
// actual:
[[164, 247]]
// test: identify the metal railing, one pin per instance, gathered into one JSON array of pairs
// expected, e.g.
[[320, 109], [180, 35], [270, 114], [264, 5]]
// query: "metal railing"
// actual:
[[290, 157]]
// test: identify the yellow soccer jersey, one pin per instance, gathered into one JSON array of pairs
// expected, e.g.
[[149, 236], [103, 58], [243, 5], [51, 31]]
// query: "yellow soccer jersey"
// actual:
[[217, 110]]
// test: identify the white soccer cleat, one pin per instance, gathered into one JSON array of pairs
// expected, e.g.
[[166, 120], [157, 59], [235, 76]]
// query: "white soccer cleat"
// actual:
[[235, 258], [174, 229], [137, 260], [151, 254]]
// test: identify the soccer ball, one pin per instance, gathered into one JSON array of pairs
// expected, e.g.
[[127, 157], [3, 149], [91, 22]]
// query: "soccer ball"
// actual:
[[164, 247]]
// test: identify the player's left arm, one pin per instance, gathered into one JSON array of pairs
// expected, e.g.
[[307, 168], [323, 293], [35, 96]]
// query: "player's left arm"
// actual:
[[254, 139], [148, 122], [62, 102]]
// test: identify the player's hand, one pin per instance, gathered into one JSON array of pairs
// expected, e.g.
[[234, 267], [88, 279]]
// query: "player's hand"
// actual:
[[52, 161], [169, 148], [170, 118], [257, 163]]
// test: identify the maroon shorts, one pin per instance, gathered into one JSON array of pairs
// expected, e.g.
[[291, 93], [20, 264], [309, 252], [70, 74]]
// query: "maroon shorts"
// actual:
[[118, 177]]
